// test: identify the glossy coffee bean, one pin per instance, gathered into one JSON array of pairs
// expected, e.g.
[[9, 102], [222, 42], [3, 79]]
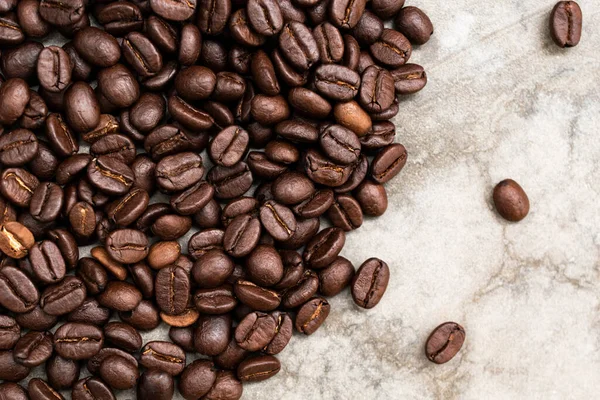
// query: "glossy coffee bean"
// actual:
[[18, 147], [345, 13], [63, 297], [32, 23], [566, 24], [256, 331], [11, 32], [10, 332], [388, 163], [322, 170], [155, 384], [46, 202], [18, 293], [256, 297], [123, 336], [114, 146], [54, 69], [414, 24], [61, 138], [197, 379], [511, 201], [335, 277], [312, 315], [164, 356], [212, 334], [35, 112], [10, 370], [36, 319], [33, 348], [298, 45], [370, 282], [353, 117], [47, 262], [78, 341], [117, 87], [62, 13], [229, 146], [337, 82], [120, 296], [172, 287], [340, 144], [90, 312], [230, 182], [173, 11], [91, 389], [141, 54], [14, 97], [392, 49], [127, 246], [129, 208], [444, 342], [215, 301], [345, 212], [97, 47], [118, 372], [179, 172], [62, 373], [258, 368], [324, 247]]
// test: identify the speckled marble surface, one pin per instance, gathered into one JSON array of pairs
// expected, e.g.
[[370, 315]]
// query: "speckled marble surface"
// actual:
[[502, 101]]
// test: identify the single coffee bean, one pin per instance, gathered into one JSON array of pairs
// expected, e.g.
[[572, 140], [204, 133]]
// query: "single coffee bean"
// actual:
[[92, 274], [283, 152], [256, 331], [212, 334], [117, 88], [90, 312], [54, 69], [76, 341], [293, 269], [63, 297], [315, 205], [17, 185], [312, 315], [33, 348], [171, 226], [264, 265], [128, 209], [305, 230], [162, 78], [36, 319], [388, 163], [47, 262], [264, 74], [11, 34], [10, 332], [208, 216], [215, 301], [179, 172], [120, 296], [264, 168], [141, 54], [109, 263], [229, 146], [10, 370], [197, 379], [123, 336], [108, 125], [164, 356], [213, 16], [230, 182], [298, 45], [18, 147], [413, 23], [14, 97], [35, 113], [337, 82], [155, 385], [323, 171], [82, 218], [444, 342], [372, 198], [345, 13], [302, 291], [386, 9], [114, 146], [330, 43], [231, 357], [15, 240], [292, 188], [278, 220], [377, 92], [174, 10], [345, 213], [368, 29], [32, 23], [242, 32], [269, 110], [39, 389], [256, 297], [409, 78], [94, 363], [12, 391], [82, 70], [392, 49], [212, 269], [120, 18], [340, 144], [127, 246], [370, 282], [258, 368], [142, 278], [118, 372], [214, 55], [110, 175], [60, 136], [62, 13], [186, 318], [61, 372], [353, 117], [226, 386], [97, 47], [566, 24], [335, 277], [46, 202], [170, 139], [91, 389], [172, 288], [310, 104], [265, 16], [286, 72], [163, 254], [324, 247], [511, 201]]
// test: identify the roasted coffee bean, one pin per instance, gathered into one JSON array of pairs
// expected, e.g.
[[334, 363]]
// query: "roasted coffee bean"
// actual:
[[231, 357], [302, 291], [36, 319], [12, 391], [392, 49], [97, 47], [174, 10], [76, 341], [215, 301], [90, 312], [293, 269], [256, 331], [204, 241], [226, 386], [315, 205], [283, 152], [33, 348], [286, 72], [81, 107], [312, 315], [409, 78], [179, 172], [262, 167], [213, 16], [155, 385], [110, 175], [35, 112], [141, 54], [345, 213], [324, 247], [197, 379], [109, 263], [82, 218], [117, 87], [171, 226], [118, 372], [120, 296], [10, 332], [242, 235], [337, 82], [269, 110], [256, 297], [264, 74], [10, 370], [323, 171], [164, 356], [195, 83], [230, 182], [353, 117], [115, 146], [94, 363], [212, 269], [335, 277], [162, 78], [345, 13], [292, 188], [372, 198], [163, 254], [93, 275], [172, 288], [63, 297], [298, 46], [54, 69], [143, 278], [7, 212], [381, 135], [370, 282], [126, 210], [340, 144], [310, 104], [368, 29], [188, 115], [511, 201], [147, 112], [258, 368], [123, 336], [46, 202], [330, 43], [212, 334], [414, 24], [242, 32], [47, 262], [11, 33], [15, 240], [388, 163], [18, 147], [60, 136], [278, 220], [264, 265], [32, 23], [62, 373], [39, 389], [566, 24], [229, 146], [62, 13], [119, 18], [92, 389], [265, 16], [186, 318], [305, 230], [82, 70], [144, 170], [127, 246], [208, 216], [14, 97], [444, 342], [45, 165], [386, 9], [21, 61]]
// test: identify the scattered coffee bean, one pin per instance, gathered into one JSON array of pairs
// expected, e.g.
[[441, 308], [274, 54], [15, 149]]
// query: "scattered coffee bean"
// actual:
[[511, 201], [566, 24], [445, 342]]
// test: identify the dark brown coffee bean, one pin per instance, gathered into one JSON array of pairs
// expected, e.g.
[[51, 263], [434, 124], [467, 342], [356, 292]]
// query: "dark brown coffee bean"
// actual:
[[39, 389], [97, 47], [511, 201], [293, 269], [120, 296], [324, 247], [409, 78], [265, 16], [337, 82], [172, 288], [330, 43], [197, 379], [213, 16], [256, 331], [115, 146], [212, 334], [164, 77], [82, 218], [129, 208], [226, 386], [62, 13], [340, 144], [242, 32], [315, 205], [345, 213], [286, 72], [283, 152], [120, 18], [123, 336], [18, 147], [258, 368], [54, 69], [179, 172], [47, 262], [35, 113], [444, 342], [61, 372], [63, 297], [370, 282], [388, 163], [92, 274], [36, 319], [163, 254], [10, 332], [292, 188], [229, 146], [11, 33], [77, 341], [214, 301], [174, 10], [90, 312], [309, 103], [164, 356], [61, 139], [32, 23], [242, 235], [195, 83], [118, 372], [298, 46], [312, 315], [170, 139], [110, 175], [264, 265], [155, 385], [117, 87], [414, 24], [230, 182], [566, 23], [213, 55], [269, 110], [377, 92], [386, 9], [305, 230], [171, 226], [335, 277], [372, 198], [81, 107], [278, 220], [108, 125], [18, 294], [33, 348], [14, 97], [10, 370], [346, 13], [381, 135], [12, 391], [392, 49], [368, 29], [256, 297], [92, 389], [82, 70], [109, 263], [262, 167], [263, 72], [93, 364], [141, 54], [46, 202], [323, 171], [231, 357], [212, 269]]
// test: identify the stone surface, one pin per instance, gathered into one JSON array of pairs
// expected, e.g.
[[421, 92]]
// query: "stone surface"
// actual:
[[502, 102]]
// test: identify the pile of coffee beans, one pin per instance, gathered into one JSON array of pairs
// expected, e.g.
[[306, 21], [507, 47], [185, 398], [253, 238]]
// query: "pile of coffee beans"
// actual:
[[100, 146]]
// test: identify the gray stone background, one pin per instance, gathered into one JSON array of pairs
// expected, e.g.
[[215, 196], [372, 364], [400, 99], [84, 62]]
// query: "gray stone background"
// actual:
[[502, 102]]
